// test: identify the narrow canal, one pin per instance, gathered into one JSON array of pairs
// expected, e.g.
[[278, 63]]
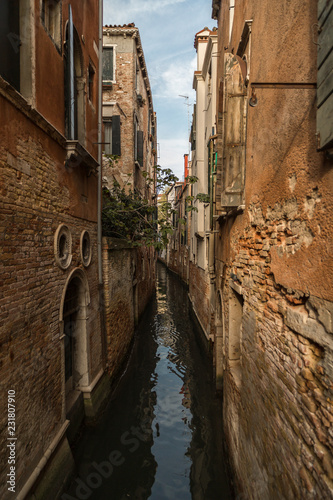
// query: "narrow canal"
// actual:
[[160, 436]]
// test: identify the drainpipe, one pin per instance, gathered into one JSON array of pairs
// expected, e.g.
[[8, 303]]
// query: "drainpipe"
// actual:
[[99, 193]]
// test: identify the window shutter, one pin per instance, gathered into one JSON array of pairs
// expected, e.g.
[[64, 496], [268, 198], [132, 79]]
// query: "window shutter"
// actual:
[[325, 74], [71, 83], [140, 148], [116, 143], [233, 167]]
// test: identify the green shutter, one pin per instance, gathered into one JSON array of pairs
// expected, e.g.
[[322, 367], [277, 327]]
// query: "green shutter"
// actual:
[[325, 74]]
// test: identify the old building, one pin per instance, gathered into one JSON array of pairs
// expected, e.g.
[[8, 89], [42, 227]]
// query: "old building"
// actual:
[[273, 248], [202, 138], [129, 123], [52, 349], [128, 115]]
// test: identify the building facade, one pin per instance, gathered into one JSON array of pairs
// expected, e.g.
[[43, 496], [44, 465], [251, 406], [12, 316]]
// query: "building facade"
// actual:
[[128, 115], [129, 124], [273, 245], [52, 348], [202, 139]]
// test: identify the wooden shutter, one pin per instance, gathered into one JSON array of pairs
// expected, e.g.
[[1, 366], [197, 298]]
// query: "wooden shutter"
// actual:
[[140, 148], [116, 142], [70, 77], [325, 74], [233, 166]]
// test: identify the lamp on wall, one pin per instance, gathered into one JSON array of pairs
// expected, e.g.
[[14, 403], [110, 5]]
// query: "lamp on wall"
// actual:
[[253, 99]]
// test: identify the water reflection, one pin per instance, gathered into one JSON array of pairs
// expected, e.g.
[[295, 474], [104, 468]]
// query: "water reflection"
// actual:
[[160, 437]]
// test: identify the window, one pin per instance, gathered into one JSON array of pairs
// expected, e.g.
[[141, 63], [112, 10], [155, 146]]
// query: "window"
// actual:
[[108, 65], [85, 248], [324, 76], [63, 247], [140, 148], [10, 42], [112, 137], [16, 47], [75, 84], [51, 17], [91, 82]]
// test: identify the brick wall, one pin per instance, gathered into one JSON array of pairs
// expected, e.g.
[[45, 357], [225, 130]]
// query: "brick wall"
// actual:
[[129, 281], [37, 195], [277, 402]]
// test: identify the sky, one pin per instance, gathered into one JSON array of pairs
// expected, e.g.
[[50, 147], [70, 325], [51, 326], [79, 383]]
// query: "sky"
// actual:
[[167, 30]]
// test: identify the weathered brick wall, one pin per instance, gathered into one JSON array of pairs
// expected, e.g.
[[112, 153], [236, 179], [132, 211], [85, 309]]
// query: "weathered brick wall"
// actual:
[[129, 281], [278, 411], [37, 194], [274, 268]]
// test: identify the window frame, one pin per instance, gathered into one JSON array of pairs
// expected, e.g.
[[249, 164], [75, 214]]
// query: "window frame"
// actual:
[[108, 83], [52, 19]]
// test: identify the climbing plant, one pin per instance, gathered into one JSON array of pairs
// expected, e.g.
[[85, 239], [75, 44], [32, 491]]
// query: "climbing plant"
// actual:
[[128, 215]]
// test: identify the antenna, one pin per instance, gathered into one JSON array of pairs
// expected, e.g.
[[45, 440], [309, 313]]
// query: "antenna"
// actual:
[[187, 103]]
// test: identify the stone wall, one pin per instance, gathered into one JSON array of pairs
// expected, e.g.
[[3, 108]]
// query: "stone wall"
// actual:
[[278, 392], [129, 281], [274, 263], [36, 197]]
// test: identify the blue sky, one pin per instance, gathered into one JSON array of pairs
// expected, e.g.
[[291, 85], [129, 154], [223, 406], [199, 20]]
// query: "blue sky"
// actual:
[[167, 29]]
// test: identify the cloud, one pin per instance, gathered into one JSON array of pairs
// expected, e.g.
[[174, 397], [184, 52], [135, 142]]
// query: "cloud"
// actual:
[[115, 9]]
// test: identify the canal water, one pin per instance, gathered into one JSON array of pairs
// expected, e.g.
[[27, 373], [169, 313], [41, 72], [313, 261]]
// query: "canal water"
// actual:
[[160, 436]]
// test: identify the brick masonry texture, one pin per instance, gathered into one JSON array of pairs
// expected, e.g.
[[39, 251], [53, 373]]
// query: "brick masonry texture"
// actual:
[[129, 281], [37, 195], [273, 264], [281, 406]]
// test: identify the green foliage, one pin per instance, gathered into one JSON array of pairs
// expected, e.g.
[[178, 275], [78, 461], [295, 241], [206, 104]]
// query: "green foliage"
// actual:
[[128, 215], [203, 198]]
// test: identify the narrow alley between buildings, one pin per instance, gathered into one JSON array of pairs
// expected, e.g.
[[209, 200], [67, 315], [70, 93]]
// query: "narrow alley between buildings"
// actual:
[[161, 434]]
